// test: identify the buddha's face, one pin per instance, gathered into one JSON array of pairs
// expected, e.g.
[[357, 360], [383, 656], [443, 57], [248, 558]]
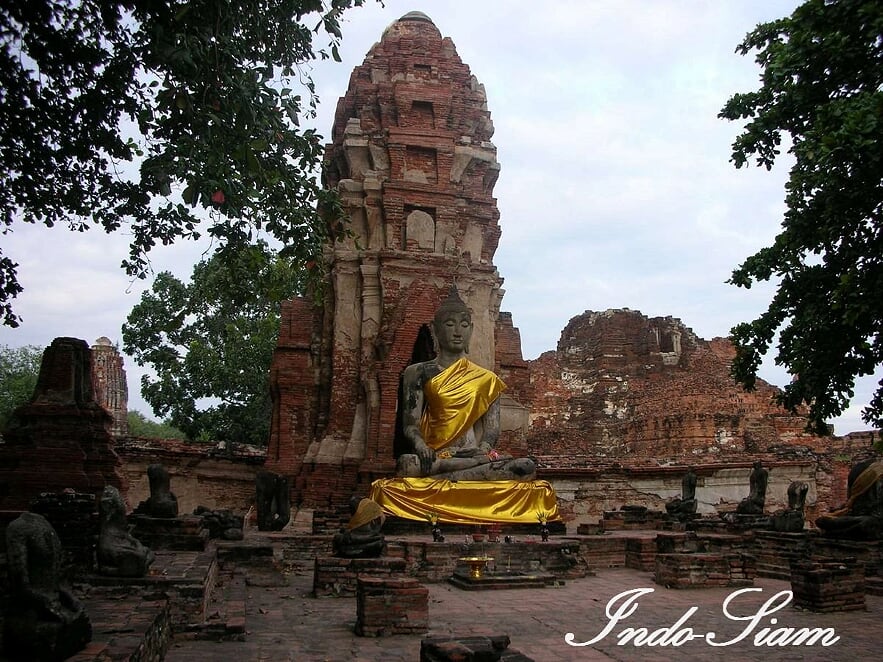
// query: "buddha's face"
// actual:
[[454, 331]]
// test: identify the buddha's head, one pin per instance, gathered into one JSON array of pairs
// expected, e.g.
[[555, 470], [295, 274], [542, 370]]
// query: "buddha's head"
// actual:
[[452, 324]]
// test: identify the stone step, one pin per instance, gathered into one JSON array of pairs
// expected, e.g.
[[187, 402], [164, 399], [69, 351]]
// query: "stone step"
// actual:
[[225, 610]]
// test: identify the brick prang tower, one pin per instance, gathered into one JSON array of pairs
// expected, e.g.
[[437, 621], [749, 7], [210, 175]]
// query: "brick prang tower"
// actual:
[[412, 158]]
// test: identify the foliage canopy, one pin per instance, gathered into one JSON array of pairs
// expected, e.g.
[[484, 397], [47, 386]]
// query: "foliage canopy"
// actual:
[[206, 95], [141, 426], [19, 370], [211, 341], [822, 84]]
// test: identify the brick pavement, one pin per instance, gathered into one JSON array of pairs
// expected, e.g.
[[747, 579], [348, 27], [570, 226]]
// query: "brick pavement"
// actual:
[[284, 623]]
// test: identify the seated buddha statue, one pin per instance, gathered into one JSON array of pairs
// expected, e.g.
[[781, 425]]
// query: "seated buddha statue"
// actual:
[[362, 536], [861, 517], [451, 409]]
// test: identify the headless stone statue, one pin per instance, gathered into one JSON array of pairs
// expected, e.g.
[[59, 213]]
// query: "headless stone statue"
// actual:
[[451, 409], [861, 518], [119, 553], [361, 537], [273, 501], [161, 502], [791, 520], [754, 503], [685, 505], [44, 621]]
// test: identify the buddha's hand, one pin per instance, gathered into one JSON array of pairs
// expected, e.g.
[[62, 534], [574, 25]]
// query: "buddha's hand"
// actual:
[[426, 455], [468, 452]]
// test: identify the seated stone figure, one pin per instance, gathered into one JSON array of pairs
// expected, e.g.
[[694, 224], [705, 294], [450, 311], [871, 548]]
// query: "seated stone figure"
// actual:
[[685, 505], [44, 621], [451, 409], [791, 519], [361, 537], [119, 553], [754, 503], [861, 518], [161, 502]]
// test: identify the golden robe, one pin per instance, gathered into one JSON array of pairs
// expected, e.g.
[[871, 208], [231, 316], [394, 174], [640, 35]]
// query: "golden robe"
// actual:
[[467, 502], [455, 399]]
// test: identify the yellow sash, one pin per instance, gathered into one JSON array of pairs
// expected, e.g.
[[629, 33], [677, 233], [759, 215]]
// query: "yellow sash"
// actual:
[[456, 398]]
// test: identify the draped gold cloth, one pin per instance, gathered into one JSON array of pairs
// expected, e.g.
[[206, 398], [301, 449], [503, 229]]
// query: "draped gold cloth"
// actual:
[[456, 398], [865, 481], [367, 511], [466, 502]]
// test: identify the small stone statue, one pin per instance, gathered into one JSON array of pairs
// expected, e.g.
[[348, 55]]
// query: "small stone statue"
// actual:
[[451, 409], [684, 507], [791, 519], [273, 501], [861, 517], [361, 537], [119, 553], [753, 504], [161, 502], [44, 621]]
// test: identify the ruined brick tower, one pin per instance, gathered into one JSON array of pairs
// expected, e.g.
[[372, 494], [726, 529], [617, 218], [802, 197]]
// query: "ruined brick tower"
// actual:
[[109, 379], [412, 158]]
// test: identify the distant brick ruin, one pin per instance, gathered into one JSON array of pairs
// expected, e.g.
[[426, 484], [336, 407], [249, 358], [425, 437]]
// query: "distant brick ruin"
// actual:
[[624, 386], [624, 397], [111, 389], [61, 439]]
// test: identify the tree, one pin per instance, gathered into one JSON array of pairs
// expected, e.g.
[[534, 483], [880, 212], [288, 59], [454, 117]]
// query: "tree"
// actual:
[[141, 426], [822, 84], [19, 369], [202, 93], [210, 342]]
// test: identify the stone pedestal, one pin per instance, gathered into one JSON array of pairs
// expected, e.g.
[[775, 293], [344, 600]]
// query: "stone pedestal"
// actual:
[[640, 554], [391, 605], [703, 570], [826, 585], [335, 577]]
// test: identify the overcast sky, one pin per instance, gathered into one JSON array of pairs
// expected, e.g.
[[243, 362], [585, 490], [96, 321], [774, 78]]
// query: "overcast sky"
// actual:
[[616, 189]]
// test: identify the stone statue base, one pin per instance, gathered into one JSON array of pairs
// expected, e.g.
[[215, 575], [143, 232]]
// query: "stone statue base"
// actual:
[[27, 635]]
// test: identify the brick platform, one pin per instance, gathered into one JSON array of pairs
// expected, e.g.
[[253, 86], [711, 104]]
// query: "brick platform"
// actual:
[[335, 577], [186, 579], [703, 570], [389, 606], [187, 533], [127, 628], [827, 585]]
